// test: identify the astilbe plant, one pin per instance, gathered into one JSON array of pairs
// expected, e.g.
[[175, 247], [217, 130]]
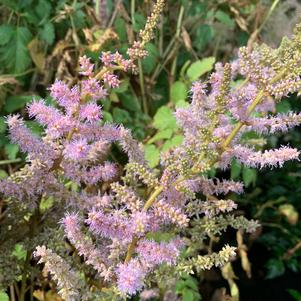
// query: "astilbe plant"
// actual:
[[113, 229]]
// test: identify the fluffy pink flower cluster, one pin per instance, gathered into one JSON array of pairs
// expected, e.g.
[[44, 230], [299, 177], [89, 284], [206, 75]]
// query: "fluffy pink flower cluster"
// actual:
[[113, 238]]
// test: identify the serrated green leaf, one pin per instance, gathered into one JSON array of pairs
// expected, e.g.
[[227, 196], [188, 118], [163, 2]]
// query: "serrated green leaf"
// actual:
[[200, 67], [14, 103], [165, 134], [152, 155], [6, 33], [47, 33], [164, 119], [15, 54], [3, 296], [249, 176], [178, 91]]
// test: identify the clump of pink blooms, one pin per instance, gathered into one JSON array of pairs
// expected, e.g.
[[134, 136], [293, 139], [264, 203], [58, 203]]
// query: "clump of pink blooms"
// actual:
[[112, 229]]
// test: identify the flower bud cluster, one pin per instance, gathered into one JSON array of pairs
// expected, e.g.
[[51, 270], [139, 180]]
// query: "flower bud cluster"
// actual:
[[170, 213], [67, 280]]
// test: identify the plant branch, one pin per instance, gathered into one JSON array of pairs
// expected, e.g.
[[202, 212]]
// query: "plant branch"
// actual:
[[226, 143]]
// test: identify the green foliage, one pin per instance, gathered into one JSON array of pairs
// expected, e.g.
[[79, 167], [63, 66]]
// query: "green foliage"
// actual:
[[187, 288], [164, 119], [199, 68], [152, 155], [225, 19], [15, 103], [248, 175], [14, 53], [295, 294], [178, 92], [3, 296], [275, 268], [19, 252]]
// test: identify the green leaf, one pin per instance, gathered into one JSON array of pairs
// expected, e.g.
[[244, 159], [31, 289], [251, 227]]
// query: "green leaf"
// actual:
[[19, 252], [34, 127], [180, 285], [3, 125], [204, 35], [225, 19], [160, 236], [165, 134], [47, 33], [130, 102], [187, 295], [139, 22], [200, 67], [283, 106], [164, 119], [79, 17], [107, 117], [120, 28], [295, 294], [43, 9], [4, 296], [236, 168], [15, 54], [3, 174], [275, 268], [46, 203], [11, 151], [3, 139], [123, 87], [175, 141], [6, 33], [178, 91], [121, 116], [192, 283], [182, 104], [149, 63], [152, 155], [249, 176], [14, 103]]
